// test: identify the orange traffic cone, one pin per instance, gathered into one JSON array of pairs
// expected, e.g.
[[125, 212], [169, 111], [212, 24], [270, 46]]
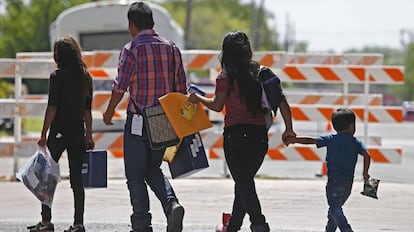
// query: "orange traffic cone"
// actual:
[[324, 170]]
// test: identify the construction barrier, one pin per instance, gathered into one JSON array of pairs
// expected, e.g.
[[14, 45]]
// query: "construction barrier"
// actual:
[[364, 69]]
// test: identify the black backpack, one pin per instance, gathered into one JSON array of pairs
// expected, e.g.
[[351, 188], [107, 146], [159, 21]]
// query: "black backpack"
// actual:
[[271, 86]]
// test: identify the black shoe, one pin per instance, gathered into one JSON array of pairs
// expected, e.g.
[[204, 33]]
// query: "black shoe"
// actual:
[[47, 227], [260, 228], [175, 215], [145, 229], [75, 229]]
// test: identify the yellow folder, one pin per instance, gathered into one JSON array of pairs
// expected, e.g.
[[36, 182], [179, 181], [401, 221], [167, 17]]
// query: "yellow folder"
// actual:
[[186, 118]]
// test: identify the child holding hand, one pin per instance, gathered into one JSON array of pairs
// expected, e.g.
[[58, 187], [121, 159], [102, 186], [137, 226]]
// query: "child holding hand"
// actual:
[[341, 157]]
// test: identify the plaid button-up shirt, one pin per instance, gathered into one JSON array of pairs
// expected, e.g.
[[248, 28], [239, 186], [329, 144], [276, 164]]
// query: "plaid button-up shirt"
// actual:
[[146, 69]]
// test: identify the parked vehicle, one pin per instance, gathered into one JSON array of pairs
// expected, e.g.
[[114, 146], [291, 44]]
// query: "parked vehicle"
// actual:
[[408, 107], [7, 125], [103, 25]]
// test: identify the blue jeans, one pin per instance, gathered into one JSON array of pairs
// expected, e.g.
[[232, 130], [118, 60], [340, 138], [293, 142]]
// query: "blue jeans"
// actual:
[[245, 147], [337, 192], [142, 168]]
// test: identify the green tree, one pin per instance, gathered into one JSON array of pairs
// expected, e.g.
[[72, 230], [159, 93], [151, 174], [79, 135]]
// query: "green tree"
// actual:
[[6, 89], [25, 25], [212, 19], [406, 91], [391, 56]]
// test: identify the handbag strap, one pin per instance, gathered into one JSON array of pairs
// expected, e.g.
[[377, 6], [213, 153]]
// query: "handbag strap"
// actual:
[[174, 75], [174, 65]]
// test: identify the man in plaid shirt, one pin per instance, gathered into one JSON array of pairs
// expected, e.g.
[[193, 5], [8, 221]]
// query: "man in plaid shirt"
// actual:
[[149, 67]]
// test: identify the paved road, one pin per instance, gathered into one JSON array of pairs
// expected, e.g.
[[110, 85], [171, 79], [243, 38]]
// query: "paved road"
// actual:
[[292, 197], [289, 205]]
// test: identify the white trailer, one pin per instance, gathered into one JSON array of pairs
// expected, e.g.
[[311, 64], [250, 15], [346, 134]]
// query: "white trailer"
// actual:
[[103, 25]]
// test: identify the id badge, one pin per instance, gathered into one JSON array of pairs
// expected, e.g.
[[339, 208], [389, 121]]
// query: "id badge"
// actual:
[[137, 124]]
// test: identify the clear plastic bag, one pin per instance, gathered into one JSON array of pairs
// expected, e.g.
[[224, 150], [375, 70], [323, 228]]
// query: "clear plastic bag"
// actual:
[[371, 188], [40, 175]]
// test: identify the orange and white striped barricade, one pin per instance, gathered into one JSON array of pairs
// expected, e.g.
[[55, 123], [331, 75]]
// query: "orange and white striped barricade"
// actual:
[[208, 59], [7, 67], [35, 105], [26, 108], [104, 59], [311, 153], [341, 74], [334, 59], [272, 59], [96, 58], [200, 59], [364, 59], [113, 141], [110, 141], [101, 100], [306, 98], [34, 69], [25, 148], [322, 113]]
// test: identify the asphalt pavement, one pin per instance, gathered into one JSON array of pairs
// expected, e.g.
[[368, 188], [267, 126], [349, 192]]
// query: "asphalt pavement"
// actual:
[[288, 204], [292, 198]]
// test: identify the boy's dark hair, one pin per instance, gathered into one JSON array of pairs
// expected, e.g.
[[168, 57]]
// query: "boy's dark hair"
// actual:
[[342, 118], [140, 14]]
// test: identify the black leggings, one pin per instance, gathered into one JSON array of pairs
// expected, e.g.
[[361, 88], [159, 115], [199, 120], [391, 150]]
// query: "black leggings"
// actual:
[[245, 147], [73, 140]]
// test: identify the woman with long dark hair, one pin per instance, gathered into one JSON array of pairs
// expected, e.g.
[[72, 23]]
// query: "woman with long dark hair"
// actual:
[[68, 116], [245, 133]]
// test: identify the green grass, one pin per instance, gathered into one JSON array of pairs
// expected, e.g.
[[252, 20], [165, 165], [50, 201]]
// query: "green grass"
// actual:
[[32, 124]]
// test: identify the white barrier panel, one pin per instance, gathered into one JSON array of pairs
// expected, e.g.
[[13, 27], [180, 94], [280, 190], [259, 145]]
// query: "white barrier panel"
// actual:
[[35, 68], [344, 59], [208, 59], [7, 67], [322, 113], [326, 68], [289, 73], [332, 98], [341, 74], [311, 153], [26, 108]]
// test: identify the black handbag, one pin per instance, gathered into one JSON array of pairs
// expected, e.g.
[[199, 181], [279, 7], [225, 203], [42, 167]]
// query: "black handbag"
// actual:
[[160, 132]]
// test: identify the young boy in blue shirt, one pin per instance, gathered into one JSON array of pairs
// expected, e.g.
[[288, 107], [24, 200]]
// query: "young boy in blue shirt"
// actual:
[[342, 151]]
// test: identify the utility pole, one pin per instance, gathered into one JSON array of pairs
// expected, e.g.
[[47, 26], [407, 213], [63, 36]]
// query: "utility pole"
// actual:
[[257, 21], [406, 37], [188, 25], [289, 41]]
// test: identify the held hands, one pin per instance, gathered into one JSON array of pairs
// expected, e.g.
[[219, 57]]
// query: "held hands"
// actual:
[[288, 137]]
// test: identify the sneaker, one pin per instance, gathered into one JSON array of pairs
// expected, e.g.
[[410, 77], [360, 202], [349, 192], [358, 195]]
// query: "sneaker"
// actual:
[[175, 216], [79, 228], [222, 227], [48, 227]]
